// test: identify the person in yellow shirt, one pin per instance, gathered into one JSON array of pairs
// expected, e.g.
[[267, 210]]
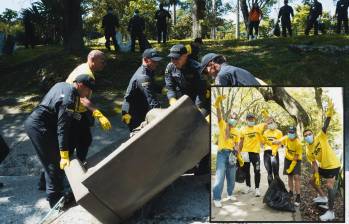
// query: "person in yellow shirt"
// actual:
[[82, 138], [293, 161], [271, 155], [324, 163], [250, 145], [228, 139]]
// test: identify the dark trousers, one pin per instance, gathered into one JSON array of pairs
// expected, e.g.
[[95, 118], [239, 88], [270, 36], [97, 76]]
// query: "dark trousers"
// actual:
[[312, 22], [286, 25], [45, 143], [341, 20], [253, 25], [272, 169], [140, 38], [81, 137], [162, 32], [255, 160], [108, 36]]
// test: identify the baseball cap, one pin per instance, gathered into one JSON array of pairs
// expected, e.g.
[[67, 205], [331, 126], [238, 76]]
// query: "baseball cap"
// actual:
[[152, 54], [206, 59], [86, 80], [177, 50]]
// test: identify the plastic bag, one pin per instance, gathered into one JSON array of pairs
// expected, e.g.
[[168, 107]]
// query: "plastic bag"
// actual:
[[277, 196], [276, 31], [240, 175]]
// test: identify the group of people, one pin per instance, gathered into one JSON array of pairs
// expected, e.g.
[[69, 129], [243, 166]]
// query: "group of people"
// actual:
[[241, 147], [286, 14]]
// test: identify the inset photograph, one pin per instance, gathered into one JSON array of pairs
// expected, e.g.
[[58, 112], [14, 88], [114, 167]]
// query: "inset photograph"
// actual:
[[277, 154]]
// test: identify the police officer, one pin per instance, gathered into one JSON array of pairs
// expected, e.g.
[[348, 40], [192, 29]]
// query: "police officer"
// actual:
[[182, 77], [161, 16], [313, 17], [216, 66], [140, 95], [109, 22], [285, 14], [342, 15], [136, 27], [49, 127]]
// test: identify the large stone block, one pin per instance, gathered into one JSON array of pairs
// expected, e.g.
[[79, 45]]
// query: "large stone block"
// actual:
[[115, 183]]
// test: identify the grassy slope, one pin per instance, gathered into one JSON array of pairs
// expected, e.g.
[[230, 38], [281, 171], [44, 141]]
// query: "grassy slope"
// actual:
[[268, 59]]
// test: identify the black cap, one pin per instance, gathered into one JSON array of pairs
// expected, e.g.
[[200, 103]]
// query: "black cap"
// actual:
[[292, 129], [248, 116], [86, 80], [177, 50], [206, 59], [152, 54]]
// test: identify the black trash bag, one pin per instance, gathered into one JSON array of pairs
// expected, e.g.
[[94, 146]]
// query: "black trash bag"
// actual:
[[145, 44], [277, 196], [240, 175], [276, 30], [4, 149]]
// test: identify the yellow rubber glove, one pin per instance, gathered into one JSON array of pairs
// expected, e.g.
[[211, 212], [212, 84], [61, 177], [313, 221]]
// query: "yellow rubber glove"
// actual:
[[240, 159], [265, 113], [102, 120], [172, 101], [330, 109], [64, 159], [207, 118], [219, 99], [208, 94], [126, 118], [273, 152], [291, 168], [317, 179], [188, 47]]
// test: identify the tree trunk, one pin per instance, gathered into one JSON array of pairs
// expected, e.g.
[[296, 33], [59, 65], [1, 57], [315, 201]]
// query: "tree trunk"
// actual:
[[174, 16], [244, 10], [289, 104], [196, 27], [72, 25], [213, 28]]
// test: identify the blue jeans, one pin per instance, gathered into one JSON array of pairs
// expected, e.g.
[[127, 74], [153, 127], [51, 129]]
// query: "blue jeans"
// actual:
[[223, 170]]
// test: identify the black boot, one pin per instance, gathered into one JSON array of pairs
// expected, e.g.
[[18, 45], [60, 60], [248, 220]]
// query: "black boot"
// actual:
[[42, 182]]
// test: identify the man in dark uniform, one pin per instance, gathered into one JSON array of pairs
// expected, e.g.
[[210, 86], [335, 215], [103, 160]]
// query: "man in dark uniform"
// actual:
[[136, 27], [161, 16], [140, 95], [110, 21], [342, 16], [49, 126], [285, 13], [29, 30], [313, 17], [216, 66]]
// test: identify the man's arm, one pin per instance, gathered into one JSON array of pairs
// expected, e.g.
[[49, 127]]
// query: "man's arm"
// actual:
[[146, 87], [329, 114]]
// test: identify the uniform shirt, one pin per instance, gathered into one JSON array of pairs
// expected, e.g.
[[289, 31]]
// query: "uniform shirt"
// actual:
[[109, 23], [292, 147], [270, 136], [316, 9], [82, 69], [342, 9], [233, 76], [285, 13], [321, 151], [224, 141], [161, 16], [252, 138], [186, 81], [136, 24], [140, 96], [56, 111]]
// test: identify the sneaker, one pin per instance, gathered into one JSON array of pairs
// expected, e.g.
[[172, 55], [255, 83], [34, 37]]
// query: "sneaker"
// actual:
[[247, 190], [298, 200], [258, 193], [324, 206], [328, 216], [320, 199], [232, 198], [217, 204]]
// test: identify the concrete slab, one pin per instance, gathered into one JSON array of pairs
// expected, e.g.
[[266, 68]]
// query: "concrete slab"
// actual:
[[145, 164]]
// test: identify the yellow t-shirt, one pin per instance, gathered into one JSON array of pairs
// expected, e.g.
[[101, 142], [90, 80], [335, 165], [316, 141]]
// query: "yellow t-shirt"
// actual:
[[292, 148], [321, 151], [252, 138], [82, 69], [227, 142], [269, 136]]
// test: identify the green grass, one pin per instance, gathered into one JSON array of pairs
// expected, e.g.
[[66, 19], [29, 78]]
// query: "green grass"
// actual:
[[268, 59]]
